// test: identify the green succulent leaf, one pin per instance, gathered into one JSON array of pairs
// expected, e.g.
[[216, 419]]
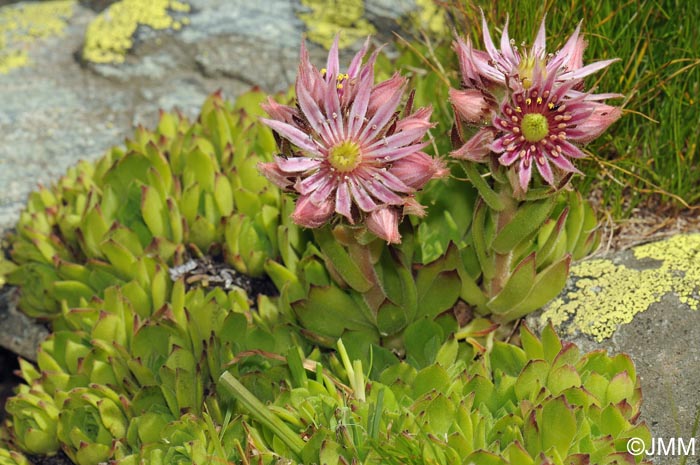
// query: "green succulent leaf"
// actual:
[[527, 219], [558, 426]]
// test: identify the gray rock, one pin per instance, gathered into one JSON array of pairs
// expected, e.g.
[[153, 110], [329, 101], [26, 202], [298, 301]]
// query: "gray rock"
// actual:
[[20, 334]]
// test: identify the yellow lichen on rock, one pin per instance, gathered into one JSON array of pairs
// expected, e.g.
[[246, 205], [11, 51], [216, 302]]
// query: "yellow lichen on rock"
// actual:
[[328, 17], [110, 35], [428, 17], [606, 294], [22, 25]]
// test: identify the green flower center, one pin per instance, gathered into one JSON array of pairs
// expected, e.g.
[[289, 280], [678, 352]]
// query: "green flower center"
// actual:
[[526, 69], [535, 127], [345, 156]]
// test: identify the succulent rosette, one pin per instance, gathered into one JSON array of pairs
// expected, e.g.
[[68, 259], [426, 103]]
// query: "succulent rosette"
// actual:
[[352, 155], [34, 420], [11, 457]]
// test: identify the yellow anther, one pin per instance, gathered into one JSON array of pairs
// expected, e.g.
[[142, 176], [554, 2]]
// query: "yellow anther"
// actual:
[[518, 110], [324, 71], [539, 100], [339, 86], [528, 101], [550, 105]]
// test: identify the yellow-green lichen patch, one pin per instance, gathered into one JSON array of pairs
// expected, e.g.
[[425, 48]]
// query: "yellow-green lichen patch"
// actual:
[[21, 25], [606, 294], [110, 35], [327, 18], [429, 17]]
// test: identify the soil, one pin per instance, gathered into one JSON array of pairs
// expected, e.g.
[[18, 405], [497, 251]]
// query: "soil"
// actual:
[[8, 380], [58, 459], [647, 224]]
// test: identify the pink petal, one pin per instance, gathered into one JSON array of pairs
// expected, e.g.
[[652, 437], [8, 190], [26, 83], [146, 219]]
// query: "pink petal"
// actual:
[[392, 181], [470, 105], [294, 135], [477, 148], [539, 47], [470, 74], [594, 97], [412, 207], [488, 42], [331, 103], [381, 193], [389, 154], [279, 112], [419, 117], [362, 198], [525, 174], [358, 110], [401, 138], [314, 116], [333, 64], [588, 69], [324, 191], [308, 76], [343, 202], [384, 223], [600, 119], [567, 55], [383, 101], [417, 169], [369, 66], [481, 61], [563, 164], [313, 182], [544, 169], [506, 48], [570, 150], [508, 158], [312, 215], [296, 164], [272, 172], [357, 59]]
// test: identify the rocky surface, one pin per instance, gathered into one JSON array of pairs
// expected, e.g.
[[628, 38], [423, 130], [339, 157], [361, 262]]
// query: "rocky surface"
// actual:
[[643, 302]]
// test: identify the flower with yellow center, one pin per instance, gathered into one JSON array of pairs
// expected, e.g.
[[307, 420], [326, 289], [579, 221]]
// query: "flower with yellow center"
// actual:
[[538, 125], [353, 156]]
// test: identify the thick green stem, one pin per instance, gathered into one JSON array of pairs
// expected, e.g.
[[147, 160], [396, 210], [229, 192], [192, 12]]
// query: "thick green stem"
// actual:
[[502, 261], [261, 413], [340, 260]]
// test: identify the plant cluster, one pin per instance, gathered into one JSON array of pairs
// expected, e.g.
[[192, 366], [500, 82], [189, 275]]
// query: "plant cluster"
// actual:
[[396, 276], [183, 191]]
